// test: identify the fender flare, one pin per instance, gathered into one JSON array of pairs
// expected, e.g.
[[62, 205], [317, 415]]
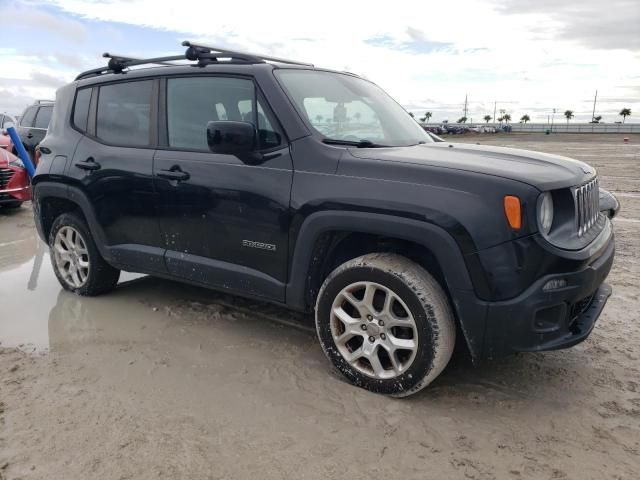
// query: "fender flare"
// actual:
[[44, 189], [469, 311]]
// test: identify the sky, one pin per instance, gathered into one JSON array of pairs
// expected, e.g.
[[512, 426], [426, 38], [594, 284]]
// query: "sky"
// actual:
[[521, 56]]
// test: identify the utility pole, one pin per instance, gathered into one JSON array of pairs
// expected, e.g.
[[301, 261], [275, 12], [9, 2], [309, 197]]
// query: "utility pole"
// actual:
[[494, 111], [593, 115], [465, 105]]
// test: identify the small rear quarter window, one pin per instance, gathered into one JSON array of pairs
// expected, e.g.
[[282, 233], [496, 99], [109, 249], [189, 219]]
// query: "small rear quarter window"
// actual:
[[81, 109]]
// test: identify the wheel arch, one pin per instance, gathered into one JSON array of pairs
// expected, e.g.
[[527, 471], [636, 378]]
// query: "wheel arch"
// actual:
[[51, 199], [329, 238]]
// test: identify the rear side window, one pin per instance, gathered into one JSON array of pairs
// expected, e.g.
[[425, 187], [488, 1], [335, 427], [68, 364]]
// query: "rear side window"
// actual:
[[43, 117], [195, 101], [124, 113], [28, 117], [81, 109]]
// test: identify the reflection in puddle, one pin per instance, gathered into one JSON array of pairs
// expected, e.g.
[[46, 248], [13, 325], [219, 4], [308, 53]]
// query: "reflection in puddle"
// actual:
[[29, 290]]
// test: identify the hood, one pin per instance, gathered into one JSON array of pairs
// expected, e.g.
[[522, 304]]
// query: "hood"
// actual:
[[541, 170]]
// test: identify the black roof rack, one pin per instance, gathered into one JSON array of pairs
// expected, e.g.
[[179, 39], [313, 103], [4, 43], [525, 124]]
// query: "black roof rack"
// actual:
[[203, 54], [200, 52]]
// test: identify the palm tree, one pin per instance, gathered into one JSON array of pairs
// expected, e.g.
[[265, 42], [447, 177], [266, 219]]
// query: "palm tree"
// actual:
[[625, 112], [596, 119], [506, 117], [357, 116], [462, 120], [427, 116], [525, 118], [500, 119], [487, 118], [319, 118], [569, 115]]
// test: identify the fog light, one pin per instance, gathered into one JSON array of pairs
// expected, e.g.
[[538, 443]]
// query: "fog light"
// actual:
[[554, 284]]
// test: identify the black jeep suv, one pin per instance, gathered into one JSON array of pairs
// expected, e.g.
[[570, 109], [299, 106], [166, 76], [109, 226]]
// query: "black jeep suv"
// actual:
[[314, 189]]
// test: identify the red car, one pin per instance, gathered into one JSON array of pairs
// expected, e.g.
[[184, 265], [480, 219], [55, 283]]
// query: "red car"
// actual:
[[15, 187]]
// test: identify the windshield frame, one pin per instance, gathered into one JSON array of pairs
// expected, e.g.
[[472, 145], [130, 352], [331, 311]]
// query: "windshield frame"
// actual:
[[421, 136]]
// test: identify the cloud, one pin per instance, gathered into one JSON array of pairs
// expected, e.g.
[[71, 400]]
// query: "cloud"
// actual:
[[614, 24], [32, 20], [42, 79]]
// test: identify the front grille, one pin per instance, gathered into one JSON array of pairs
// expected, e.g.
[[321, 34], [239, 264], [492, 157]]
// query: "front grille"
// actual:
[[587, 199], [5, 176]]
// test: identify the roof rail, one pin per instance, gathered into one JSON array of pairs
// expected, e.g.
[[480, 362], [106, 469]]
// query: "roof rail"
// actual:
[[38, 102], [203, 52]]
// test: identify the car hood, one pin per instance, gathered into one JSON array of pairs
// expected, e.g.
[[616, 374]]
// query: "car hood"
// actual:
[[541, 170]]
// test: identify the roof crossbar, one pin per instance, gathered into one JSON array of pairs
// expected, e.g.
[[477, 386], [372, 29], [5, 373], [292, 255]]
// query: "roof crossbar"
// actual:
[[197, 51], [117, 63], [203, 54]]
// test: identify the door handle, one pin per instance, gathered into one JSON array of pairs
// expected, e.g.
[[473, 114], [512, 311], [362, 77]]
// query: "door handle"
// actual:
[[174, 173], [89, 164]]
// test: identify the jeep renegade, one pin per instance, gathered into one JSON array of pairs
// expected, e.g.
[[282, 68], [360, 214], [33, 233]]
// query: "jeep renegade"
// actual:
[[315, 190]]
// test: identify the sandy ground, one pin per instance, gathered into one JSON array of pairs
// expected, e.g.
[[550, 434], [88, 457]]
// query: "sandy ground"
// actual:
[[162, 380]]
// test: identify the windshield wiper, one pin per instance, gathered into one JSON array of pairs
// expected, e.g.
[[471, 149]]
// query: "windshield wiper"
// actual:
[[352, 143]]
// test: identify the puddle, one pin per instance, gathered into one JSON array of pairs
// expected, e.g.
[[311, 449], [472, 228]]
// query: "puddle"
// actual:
[[30, 294]]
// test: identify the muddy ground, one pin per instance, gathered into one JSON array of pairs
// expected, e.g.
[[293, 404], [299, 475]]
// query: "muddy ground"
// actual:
[[162, 380]]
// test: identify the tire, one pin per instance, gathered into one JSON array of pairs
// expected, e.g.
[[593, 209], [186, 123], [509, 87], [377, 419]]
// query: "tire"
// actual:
[[12, 205], [410, 327], [72, 248]]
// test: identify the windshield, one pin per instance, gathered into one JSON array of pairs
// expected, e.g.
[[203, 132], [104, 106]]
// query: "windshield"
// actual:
[[350, 109]]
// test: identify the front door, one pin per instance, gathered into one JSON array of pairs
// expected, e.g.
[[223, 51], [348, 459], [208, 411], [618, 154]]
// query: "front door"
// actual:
[[224, 220]]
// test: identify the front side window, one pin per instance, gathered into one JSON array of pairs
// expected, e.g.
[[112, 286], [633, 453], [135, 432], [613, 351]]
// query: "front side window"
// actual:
[[194, 102], [347, 108], [28, 117], [124, 113], [43, 117], [81, 109]]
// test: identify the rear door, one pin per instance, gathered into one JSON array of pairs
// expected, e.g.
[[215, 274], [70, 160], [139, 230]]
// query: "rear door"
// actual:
[[225, 223], [113, 164]]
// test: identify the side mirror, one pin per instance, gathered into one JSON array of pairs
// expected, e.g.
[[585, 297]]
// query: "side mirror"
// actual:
[[231, 138]]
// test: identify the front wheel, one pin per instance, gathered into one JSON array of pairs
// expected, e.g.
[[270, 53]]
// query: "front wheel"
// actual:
[[385, 324]]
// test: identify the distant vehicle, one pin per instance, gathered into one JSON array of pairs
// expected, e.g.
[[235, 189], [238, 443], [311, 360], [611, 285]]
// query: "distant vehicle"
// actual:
[[33, 125], [14, 182], [438, 130], [6, 121]]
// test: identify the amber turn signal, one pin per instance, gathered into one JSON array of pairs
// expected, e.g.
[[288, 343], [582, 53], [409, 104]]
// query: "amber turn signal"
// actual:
[[513, 211]]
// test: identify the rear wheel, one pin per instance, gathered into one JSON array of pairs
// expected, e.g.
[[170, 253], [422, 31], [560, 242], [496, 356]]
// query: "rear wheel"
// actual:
[[75, 258], [385, 324]]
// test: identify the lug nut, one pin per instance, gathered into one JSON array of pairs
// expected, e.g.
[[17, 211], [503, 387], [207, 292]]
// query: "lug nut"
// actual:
[[363, 326], [372, 339], [383, 336], [381, 323], [369, 317]]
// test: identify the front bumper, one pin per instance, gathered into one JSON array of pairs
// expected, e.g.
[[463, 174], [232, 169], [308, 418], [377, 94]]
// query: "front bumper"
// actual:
[[12, 195], [540, 319]]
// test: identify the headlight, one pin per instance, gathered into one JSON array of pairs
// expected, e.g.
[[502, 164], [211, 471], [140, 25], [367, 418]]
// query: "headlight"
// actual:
[[545, 212], [16, 163]]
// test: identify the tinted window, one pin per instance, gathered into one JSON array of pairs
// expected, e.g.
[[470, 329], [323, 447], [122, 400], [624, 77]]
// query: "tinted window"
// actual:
[[28, 117], [43, 117], [124, 113], [193, 102], [81, 109]]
